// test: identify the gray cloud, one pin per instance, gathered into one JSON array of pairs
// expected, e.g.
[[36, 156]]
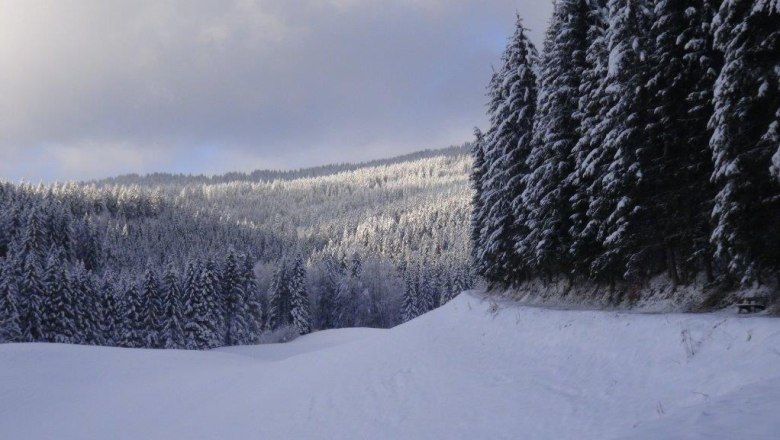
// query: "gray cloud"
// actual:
[[97, 87]]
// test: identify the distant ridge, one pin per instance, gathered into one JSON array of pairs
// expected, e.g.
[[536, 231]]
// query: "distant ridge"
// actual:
[[269, 175]]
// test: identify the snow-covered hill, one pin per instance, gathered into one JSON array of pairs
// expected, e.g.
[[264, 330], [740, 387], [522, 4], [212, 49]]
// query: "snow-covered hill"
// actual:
[[471, 369]]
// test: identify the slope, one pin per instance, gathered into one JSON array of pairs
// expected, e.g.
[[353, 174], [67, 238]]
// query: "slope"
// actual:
[[471, 369]]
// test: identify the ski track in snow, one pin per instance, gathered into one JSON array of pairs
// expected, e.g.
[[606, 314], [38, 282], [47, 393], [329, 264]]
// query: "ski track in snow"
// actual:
[[464, 371]]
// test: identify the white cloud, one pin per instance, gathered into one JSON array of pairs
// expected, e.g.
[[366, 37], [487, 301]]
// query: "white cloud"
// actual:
[[301, 82]]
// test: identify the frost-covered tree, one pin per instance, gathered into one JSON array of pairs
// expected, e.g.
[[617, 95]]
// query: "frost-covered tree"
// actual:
[[280, 300], [547, 193], [196, 326], [677, 169], [60, 305], [254, 305], [172, 335], [745, 137], [410, 306], [32, 293], [135, 327], [110, 325], [10, 323], [87, 305], [153, 318], [511, 109], [477, 178], [617, 199], [426, 291], [213, 319], [237, 329], [592, 104], [300, 309]]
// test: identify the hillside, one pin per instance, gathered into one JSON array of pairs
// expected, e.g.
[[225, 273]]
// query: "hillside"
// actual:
[[360, 236], [470, 369]]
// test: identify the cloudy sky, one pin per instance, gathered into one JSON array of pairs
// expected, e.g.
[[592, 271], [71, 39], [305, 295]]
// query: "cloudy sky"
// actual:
[[94, 88]]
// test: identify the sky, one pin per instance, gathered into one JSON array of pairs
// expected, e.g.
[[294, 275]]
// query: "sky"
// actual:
[[96, 88]]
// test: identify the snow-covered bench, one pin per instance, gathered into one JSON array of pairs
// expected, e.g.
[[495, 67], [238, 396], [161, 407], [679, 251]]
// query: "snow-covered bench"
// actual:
[[751, 305]]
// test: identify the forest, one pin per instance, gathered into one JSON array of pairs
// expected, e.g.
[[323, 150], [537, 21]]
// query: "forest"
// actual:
[[643, 141], [169, 261]]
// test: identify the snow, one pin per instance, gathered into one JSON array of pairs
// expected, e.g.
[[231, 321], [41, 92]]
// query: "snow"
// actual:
[[474, 368]]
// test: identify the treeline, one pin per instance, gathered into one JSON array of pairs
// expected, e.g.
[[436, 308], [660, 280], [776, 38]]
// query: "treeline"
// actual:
[[639, 143], [271, 175]]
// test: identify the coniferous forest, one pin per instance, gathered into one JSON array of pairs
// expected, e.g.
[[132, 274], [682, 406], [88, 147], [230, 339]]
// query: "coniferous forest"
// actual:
[[642, 141], [168, 261]]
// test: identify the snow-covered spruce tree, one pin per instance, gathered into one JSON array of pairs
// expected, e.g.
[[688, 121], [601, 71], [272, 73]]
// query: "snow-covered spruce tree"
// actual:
[[705, 62], [477, 201], [87, 300], [279, 298], [332, 273], [32, 293], [172, 335], [254, 306], [347, 301], [196, 327], [10, 322], [300, 309], [33, 241], [618, 204], [426, 291], [60, 304], [592, 104], [110, 327], [134, 328], [556, 131], [676, 174], [511, 109], [745, 124], [237, 329], [152, 305], [410, 304], [213, 323]]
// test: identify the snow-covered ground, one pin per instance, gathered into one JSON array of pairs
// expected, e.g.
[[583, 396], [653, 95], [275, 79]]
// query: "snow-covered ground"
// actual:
[[470, 370]]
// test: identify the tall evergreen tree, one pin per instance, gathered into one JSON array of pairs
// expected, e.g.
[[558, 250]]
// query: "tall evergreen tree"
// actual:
[[426, 291], [237, 328], [10, 323], [747, 114], [196, 326], [556, 131], [172, 335], [280, 301], [477, 178], [592, 105], [32, 293], [213, 323], [153, 317], [134, 325], [301, 310], [678, 169], [410, 306], [110, 322], [619, 206], [508, 142], [254, 306], [60, 304]]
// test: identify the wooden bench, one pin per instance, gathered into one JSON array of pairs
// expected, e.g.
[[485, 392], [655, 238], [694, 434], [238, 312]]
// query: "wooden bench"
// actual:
[[751, 305]]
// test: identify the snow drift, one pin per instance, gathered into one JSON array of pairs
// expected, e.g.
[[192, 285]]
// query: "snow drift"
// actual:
[[471, 369]]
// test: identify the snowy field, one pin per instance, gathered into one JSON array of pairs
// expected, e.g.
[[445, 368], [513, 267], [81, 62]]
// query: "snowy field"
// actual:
[[470, 370]]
